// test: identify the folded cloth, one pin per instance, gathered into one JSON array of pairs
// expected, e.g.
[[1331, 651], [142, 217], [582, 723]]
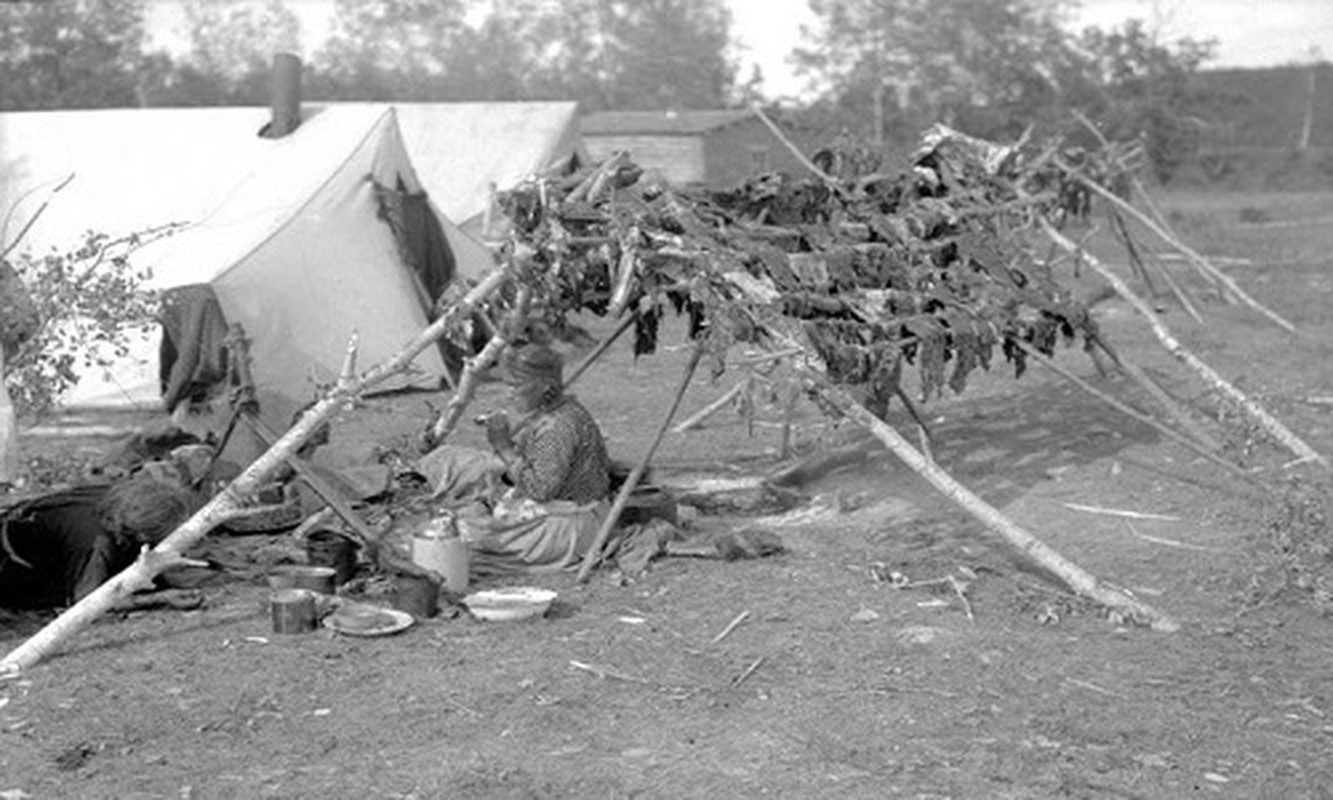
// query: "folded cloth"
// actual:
[[639, 545]]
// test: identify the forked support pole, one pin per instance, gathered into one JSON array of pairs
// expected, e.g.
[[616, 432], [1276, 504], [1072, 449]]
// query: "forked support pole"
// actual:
[[1078, 579], [594, 554]]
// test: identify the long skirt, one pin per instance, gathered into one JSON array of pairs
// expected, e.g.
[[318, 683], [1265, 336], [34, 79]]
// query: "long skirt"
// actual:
[[517, 538]]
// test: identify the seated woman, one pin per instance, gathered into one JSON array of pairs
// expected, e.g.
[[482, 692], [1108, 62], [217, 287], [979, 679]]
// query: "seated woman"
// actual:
[[554, 459], [58, 547]]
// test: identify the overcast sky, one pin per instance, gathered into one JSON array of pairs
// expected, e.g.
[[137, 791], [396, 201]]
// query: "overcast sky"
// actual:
[[1249, 32]]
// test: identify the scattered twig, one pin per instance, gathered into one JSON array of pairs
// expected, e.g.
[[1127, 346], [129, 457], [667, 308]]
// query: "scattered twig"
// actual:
[[469, 711], [754, 665], [741, 617], [1092, 687], [1172, 542], [604, 673], [710, 409], [1116, 512], [959, 588]]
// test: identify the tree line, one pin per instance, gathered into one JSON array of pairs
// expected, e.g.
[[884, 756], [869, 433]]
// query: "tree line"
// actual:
[[878, 71]]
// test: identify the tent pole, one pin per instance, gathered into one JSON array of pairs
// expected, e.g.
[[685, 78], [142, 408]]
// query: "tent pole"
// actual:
[[601, 348], [594, 554]]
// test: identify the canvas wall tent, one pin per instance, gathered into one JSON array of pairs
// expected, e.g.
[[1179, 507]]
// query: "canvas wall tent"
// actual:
[[461, 150], [285, 231]]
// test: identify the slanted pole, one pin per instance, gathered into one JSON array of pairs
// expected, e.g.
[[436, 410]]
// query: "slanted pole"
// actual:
[[594, 554], [1081, 581], [1173, 346]]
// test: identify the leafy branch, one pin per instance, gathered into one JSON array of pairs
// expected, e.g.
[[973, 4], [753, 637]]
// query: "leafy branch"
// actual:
[[88, 303]]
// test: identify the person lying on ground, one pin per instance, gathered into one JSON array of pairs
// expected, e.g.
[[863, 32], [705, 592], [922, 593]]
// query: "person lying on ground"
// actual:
[[546, 481], [58, 547]]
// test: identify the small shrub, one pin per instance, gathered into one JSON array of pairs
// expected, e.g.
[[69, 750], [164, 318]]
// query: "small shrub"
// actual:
[[87, 301]]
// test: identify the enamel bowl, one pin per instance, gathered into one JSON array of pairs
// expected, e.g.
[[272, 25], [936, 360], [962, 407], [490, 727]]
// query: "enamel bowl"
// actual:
[[508, 604]]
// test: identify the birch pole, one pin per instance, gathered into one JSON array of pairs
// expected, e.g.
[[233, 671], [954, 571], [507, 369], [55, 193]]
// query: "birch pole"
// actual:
[[467, 384], [712, 408], [594, 554], [1078, 579], [1200, 263], [169, 551], [1173, 346]]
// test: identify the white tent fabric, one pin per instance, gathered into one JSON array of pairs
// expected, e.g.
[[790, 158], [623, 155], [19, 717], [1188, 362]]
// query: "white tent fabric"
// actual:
[[461, 150], [285, 231]]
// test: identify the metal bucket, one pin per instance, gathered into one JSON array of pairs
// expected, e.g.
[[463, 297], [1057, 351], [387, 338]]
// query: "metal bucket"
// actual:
[[329, 548]]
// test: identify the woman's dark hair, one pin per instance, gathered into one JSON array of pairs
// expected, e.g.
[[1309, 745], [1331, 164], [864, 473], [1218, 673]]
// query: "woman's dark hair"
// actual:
[[144, 509]]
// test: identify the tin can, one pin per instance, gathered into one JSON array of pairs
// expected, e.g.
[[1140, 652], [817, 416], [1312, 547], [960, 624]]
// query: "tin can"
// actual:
[[293, 610]]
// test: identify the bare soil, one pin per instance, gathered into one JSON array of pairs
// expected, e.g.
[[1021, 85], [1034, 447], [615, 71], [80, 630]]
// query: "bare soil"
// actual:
[[836, 683]]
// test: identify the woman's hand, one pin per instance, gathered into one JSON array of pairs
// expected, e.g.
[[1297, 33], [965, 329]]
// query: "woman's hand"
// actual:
[[498, 433]]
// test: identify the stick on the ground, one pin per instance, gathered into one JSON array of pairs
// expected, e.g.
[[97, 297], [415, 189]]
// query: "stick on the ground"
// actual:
[[594, 554], [754, 665], [731, 626], [1071, 574], [1173, 346], [225, 503], [710, 409]]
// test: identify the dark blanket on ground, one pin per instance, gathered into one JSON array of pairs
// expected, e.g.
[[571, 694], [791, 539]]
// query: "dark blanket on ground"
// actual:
[[193, 355], [53, 545]]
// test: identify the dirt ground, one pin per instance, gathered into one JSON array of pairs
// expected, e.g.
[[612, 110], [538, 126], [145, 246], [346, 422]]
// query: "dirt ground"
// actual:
[[836, 683]]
